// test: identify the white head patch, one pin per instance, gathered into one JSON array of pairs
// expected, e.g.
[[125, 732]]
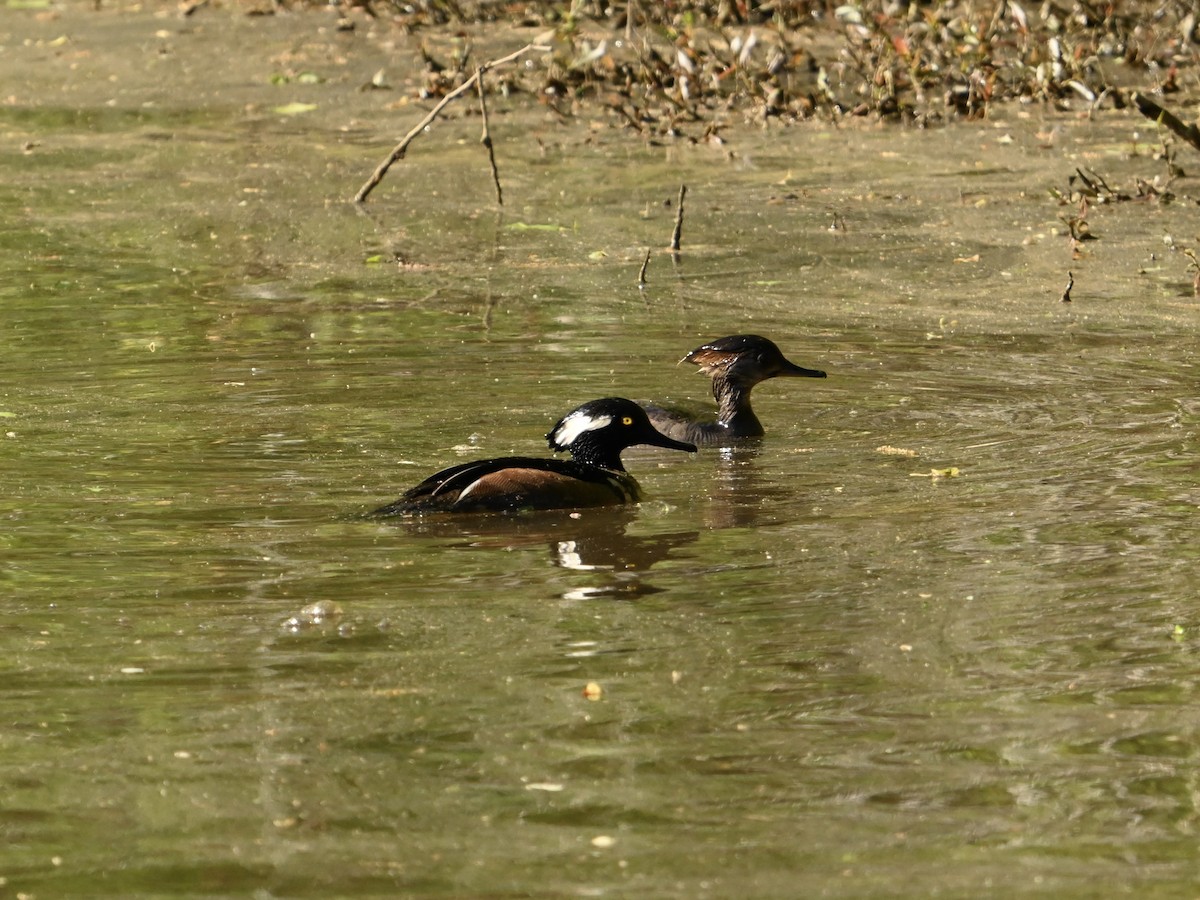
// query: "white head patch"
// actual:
[[576, 424]]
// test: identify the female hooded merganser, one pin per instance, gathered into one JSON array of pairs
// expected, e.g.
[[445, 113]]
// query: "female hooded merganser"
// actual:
[[595, 434], [735, 364]]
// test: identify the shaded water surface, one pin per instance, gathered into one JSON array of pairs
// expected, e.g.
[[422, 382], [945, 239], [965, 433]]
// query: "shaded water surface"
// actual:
[[934, 635]]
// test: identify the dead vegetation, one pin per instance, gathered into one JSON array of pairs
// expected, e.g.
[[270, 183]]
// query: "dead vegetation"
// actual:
[[692, 68]]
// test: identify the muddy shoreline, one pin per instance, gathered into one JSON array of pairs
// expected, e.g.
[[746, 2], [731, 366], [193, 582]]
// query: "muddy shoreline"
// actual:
[[696, 70]]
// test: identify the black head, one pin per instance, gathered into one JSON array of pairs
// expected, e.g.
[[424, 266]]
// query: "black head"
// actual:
[[746, 359], [598, 431]]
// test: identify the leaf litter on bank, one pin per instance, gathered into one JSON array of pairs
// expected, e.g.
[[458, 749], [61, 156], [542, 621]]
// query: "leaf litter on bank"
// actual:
[[693, 68]]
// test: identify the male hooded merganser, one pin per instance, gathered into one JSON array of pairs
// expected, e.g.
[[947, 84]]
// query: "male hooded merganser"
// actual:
[[735, 364], [595, 434]]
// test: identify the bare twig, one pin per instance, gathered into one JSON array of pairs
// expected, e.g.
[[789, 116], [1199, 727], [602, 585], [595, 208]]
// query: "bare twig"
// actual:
[[1066, 294], [486, 138], [1195, 267], [642, 272], [678, 220], [1151, 110], [1097, 185], [399, 150]]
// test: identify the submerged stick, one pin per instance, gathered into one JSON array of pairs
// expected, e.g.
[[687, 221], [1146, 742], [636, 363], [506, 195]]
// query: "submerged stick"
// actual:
[[1066, 294], [678, 220], [399, 150], [486, 138], [642, 272], [1162, 116]]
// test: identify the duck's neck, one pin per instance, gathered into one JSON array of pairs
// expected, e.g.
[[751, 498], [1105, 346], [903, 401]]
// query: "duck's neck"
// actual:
[[591, 453], [733, 408]]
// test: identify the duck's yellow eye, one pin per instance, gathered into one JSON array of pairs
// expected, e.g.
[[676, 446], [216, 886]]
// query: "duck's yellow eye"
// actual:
[[626, 420]]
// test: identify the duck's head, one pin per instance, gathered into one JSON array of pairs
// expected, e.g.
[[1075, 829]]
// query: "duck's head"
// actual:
[[598, 431], [745, 360]]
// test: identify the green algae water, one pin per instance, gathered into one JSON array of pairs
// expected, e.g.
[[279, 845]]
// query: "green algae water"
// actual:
[[934, 635]]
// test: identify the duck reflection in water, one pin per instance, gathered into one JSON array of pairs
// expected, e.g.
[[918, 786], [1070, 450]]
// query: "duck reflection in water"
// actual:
[[591, 541], [742, 494]]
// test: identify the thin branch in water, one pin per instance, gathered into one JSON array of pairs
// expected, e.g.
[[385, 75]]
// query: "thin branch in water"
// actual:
[[675, 235], [486, 138], [400, 149], [1195, 267], [642, 272], [1163, 116], [1066, 294]]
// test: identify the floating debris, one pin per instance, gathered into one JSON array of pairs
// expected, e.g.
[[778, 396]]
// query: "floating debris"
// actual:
[[935, 474]]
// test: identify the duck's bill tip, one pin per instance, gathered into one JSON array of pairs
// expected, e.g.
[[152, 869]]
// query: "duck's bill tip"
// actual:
[[661, 440], [801, 372]]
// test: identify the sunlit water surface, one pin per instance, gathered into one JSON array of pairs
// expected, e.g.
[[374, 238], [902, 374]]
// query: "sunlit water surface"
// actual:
[[935, 635]]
